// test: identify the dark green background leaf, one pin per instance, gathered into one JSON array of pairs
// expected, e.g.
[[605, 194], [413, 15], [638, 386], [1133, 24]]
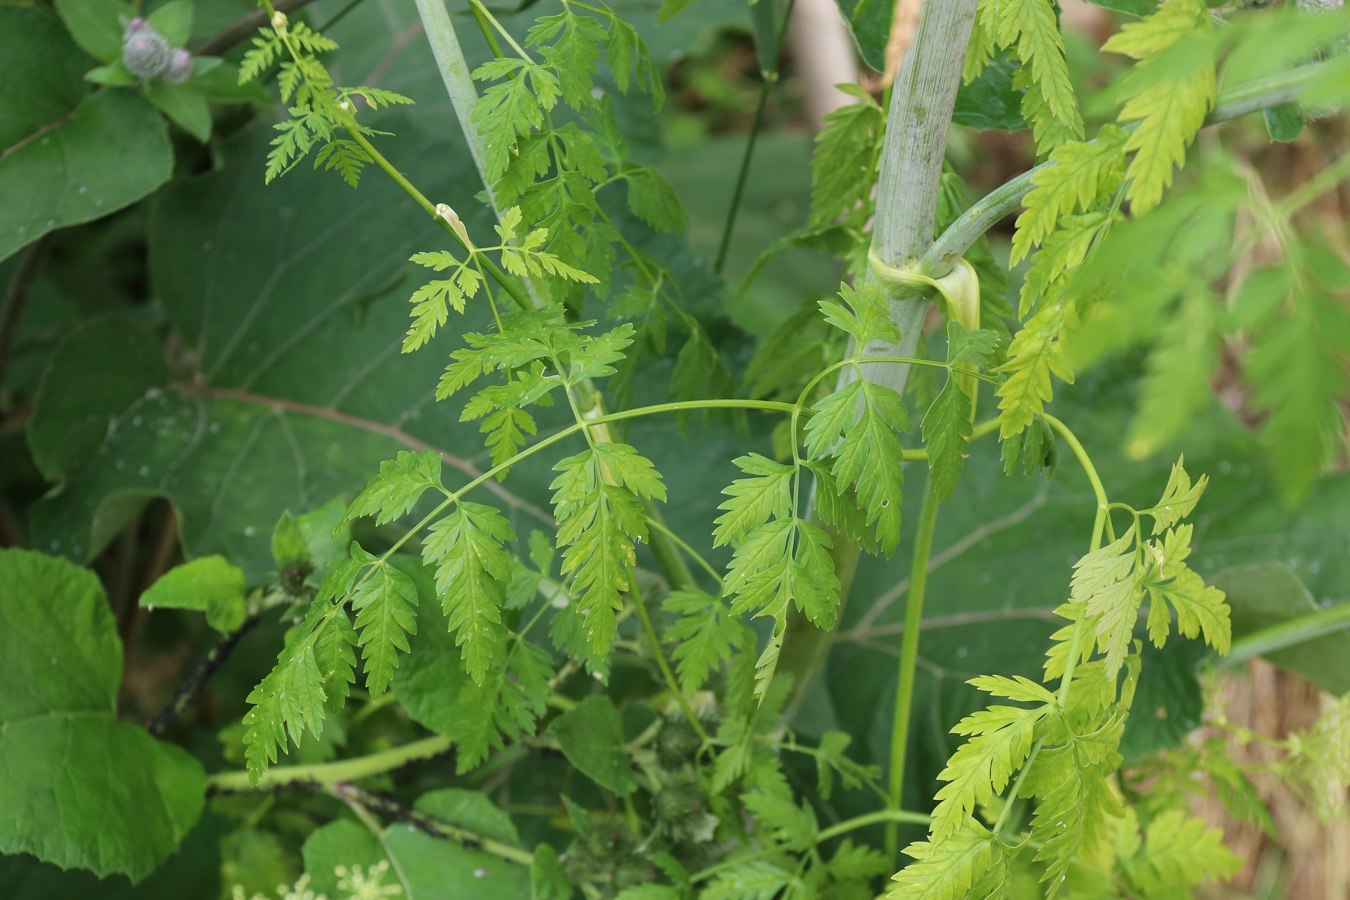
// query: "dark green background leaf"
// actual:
[[989, 102], [871, 28], [591, 737], [427, 867], [66, 155]]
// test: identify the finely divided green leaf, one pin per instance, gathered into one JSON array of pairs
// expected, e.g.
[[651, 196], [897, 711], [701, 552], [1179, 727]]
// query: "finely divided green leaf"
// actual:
[[705, 635], [401, 481], [383, 605], [472, 573]]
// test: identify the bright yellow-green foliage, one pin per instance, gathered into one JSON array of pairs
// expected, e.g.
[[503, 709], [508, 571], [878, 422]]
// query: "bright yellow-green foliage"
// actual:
[[1168, 94], [1031, 29], [1061, 749]]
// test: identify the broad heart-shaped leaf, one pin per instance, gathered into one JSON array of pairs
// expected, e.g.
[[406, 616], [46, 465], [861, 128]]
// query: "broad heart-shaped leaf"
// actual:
[[66, 155], [296, 390], [78, 787], [591, 736], [424, 866], [1265, 594], [1004, 551]]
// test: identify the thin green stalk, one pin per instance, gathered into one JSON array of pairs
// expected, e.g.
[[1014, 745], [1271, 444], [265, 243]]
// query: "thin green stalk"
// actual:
[[769, 78], [876, 818], [1003, 201], [834, 831], [482, 12], [363, 802], [331, 773], [1080, 627], [1319, 184], [741, 177], [488, 35], [672, 685], [688, 550], [493, 270], [1098, 528], [373, 826], [1287, 634], [909, 659]]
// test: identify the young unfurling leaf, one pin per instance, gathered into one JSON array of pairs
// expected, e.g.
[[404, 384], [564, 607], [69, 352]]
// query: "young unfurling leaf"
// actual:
[[1178, 499], [1107, 582]]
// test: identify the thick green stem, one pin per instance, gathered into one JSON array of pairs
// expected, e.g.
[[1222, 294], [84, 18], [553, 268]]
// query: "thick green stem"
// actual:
[[908, 186], [909, 659]]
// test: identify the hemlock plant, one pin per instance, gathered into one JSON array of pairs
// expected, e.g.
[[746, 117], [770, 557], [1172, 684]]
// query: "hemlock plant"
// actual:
[[647, 643]]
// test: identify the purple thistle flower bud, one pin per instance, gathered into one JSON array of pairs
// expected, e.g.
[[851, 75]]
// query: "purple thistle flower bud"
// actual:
[[180, 67], [145, 52]]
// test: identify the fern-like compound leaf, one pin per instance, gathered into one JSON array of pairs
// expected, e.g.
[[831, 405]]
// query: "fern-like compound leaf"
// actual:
[[858, 426], [1032, 28], [598, 502], [1078, 177], [845, 156], [472, 573], [705, 635], [401, 482], [972, 863], [753, 501], [980, 768], [1169, 93], [383, 604]]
